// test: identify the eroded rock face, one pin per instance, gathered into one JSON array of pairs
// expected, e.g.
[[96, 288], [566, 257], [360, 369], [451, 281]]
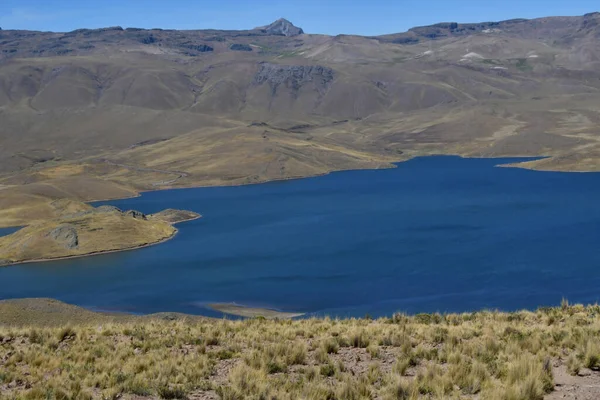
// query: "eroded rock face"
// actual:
[[201, 48], [294, 76], [66, 235]]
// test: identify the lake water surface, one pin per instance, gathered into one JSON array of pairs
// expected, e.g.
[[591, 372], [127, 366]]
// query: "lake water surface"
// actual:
[[434, 234], [8, 231]]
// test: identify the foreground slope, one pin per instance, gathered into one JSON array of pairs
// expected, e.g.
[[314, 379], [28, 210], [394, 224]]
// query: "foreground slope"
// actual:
[[551, 353]]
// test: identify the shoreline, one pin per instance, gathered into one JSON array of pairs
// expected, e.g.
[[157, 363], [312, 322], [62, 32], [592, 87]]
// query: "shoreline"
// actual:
[[392, 165], [240, 310], [102, 252], [254, 312]]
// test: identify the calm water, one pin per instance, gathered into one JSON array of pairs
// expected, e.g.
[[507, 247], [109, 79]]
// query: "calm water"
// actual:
[[435, 234], [8, 231]]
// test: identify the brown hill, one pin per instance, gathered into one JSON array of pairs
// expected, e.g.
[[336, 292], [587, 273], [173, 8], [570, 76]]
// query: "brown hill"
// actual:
[[144, 109]]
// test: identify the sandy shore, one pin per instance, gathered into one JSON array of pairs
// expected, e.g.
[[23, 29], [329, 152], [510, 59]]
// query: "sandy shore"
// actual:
[[250, 312]]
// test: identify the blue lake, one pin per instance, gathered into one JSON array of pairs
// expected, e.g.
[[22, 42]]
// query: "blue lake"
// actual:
[[434, 234], [8, 231]]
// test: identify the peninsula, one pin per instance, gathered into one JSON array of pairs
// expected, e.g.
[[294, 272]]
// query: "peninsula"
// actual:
[[88, 231]]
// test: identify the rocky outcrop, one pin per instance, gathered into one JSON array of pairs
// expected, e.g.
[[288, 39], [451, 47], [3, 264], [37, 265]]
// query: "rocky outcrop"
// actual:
[[66, 235], [240, 47], [147, 39], [294, 76], [195, 47], [173, 216], [135, 214], [107, 209], [281, 27], [87, 32]]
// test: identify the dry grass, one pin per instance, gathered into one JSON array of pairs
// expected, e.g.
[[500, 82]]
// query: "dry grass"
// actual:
[[97, 233], [44, 199], [487, 355]]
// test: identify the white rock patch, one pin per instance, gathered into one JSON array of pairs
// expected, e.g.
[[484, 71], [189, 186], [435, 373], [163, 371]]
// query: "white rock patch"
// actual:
[[471, 56]]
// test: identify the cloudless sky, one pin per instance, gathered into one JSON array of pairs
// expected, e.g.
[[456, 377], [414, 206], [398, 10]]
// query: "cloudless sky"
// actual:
[[363, 17]]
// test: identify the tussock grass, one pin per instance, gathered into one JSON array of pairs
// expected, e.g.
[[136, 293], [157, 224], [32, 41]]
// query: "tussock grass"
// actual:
[[487, 355]]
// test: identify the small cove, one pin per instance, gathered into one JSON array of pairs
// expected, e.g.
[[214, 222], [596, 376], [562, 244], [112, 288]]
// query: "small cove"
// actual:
[[8, 231], [435, 234]]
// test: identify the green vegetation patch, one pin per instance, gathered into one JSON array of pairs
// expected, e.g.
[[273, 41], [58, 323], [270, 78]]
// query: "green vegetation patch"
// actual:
[[523, 65]]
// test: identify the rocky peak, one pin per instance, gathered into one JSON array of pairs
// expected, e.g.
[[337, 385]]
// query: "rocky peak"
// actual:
[[66, 235], [282, 27]]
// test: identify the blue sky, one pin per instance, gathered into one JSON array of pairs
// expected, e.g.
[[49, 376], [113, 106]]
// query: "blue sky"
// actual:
[[364, 17]]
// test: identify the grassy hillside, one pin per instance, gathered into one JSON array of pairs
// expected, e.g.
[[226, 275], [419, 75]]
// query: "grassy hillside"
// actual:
[[550, 353], [521, 87], [104, 113]]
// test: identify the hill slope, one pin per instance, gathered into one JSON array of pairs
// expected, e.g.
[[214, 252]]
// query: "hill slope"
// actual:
[[141, 109]]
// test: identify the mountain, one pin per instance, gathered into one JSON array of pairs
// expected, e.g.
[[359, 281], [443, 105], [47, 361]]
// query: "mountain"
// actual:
[[281, 27], [140, 109]]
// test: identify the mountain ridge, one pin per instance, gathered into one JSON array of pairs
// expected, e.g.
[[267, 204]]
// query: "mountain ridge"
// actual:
[[286, 22]]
